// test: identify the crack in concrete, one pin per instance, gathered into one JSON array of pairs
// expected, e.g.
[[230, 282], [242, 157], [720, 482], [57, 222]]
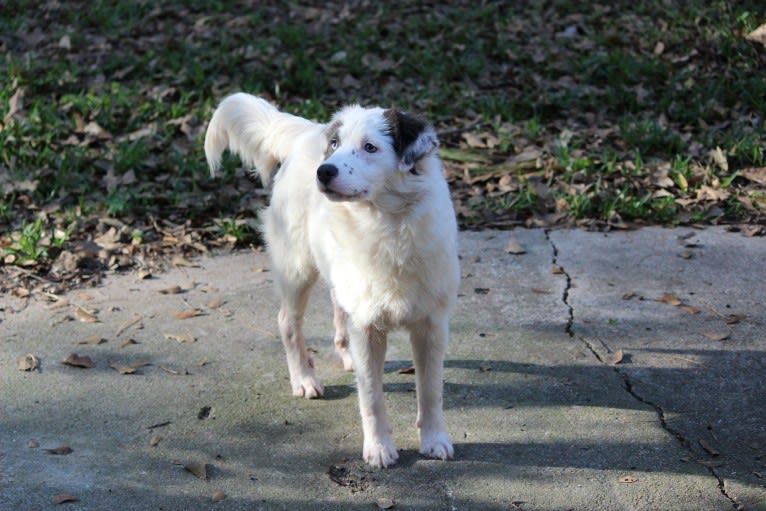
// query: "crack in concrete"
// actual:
[[627, 384]]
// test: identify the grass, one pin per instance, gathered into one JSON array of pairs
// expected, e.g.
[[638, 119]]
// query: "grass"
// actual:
[[624, 113]]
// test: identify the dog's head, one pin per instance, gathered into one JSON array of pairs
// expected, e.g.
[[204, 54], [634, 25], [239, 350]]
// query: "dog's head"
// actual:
[[372, 150]]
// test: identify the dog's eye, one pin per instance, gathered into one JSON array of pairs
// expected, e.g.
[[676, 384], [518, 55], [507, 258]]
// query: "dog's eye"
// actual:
[[334, 143], [370, 148]]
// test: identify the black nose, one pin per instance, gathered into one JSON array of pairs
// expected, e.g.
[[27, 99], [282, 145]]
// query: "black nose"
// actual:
[[326, 173]]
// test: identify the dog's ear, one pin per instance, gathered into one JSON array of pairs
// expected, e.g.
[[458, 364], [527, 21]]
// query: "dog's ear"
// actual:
[[413, 138]]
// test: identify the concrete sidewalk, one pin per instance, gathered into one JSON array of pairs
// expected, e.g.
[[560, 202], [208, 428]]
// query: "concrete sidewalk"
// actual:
[[567, 386]]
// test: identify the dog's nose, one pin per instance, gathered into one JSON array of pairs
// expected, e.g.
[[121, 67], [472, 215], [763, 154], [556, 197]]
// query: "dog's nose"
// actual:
[[326, 173]]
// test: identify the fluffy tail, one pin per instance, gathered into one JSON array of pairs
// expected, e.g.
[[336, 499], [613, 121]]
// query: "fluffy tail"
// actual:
[[258, 133]]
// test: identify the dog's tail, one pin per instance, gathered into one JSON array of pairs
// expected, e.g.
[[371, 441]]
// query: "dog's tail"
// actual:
[[258, 133]]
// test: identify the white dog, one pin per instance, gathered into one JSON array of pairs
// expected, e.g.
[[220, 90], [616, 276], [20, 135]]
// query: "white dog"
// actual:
[[363, 202]]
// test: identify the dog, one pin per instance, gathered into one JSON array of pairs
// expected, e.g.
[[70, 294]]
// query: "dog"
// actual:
[[361, 201]]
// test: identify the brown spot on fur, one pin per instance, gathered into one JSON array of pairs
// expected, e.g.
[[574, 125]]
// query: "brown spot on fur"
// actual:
[[332, 133]]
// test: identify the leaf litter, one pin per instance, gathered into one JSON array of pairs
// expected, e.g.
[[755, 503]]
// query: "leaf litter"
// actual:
[[75, 360]]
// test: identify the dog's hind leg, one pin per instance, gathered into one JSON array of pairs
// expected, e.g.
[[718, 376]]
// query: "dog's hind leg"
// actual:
[[341, 334], [368, 348], [294, 299], [429, 344]]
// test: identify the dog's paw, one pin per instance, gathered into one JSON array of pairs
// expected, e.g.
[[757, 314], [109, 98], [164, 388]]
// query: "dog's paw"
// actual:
[[436, 445], [308, 387], [348, 364], [380, 453]]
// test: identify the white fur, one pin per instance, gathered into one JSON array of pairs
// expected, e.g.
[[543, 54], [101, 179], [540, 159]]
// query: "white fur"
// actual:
[[382, 233]]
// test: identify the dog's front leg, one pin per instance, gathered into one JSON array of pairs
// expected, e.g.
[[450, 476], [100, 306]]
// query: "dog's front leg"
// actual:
[[429, 344], [302, 378], [368, 350], [341, 334]]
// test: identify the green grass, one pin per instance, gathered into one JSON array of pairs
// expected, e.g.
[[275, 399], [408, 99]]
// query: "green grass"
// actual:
[[608, 108]]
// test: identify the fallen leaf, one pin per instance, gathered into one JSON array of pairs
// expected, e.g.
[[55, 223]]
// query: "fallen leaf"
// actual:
[[669, 298], [218, 496], [27, 363], [199, 470], [85, 315], [557, 270], [93, 339], [122, 368], [538, 291], [191, 313], [614, 358], [179, 338], [734, 318], [407, 370], [183, 262], [716, 336], [59, 451], [154, 440], [627, 479], [60, 499], [76, 360], [514, 247], [215, 303], [172, 290], [689, 309], [129, 323], [384, 503], [709, 448]]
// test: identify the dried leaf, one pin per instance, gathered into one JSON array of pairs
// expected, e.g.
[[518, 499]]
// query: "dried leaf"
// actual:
[[59, 451], [216, 303], [669, 298], [614, 358], [60, 499], [154, 440], [514, 247], [407, 370], [93, 339], [199, 470], [27, 363], [76, 360], [627, 479], [734, 318], [557, 270], [172, 290], [717, 336], [129, 323], [709, 448], [384, 503], [689, 309], [85, 315], [121, 368], [183, 262], [179, 337], [218, 496], [191, 313]]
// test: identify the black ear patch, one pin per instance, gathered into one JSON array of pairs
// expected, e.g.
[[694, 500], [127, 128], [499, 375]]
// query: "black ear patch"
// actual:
[[413, 138]]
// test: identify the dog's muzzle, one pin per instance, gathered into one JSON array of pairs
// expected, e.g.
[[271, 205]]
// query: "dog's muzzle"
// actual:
[[326, 173]]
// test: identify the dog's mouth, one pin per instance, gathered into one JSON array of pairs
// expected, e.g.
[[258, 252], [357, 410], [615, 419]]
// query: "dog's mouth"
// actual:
[[337, 196]]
